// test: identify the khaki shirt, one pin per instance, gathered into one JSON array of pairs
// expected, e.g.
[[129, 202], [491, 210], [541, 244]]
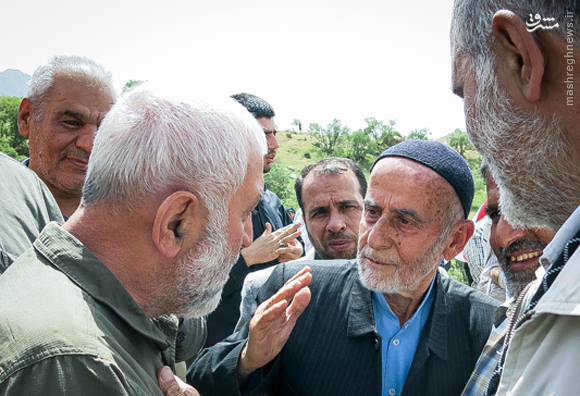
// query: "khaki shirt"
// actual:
[[69, 327]]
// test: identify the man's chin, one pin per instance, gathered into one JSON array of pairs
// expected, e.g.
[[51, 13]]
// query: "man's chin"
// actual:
[[204, 309]]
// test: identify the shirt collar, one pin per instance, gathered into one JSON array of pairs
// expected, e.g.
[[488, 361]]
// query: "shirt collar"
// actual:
[[422, 311], [564, 234]]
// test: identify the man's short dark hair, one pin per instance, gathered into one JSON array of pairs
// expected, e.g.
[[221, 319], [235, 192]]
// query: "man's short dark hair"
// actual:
[[255, 105], [330, 166]]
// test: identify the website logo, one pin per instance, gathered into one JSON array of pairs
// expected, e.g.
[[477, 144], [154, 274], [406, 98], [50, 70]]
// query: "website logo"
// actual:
[[537, 22]]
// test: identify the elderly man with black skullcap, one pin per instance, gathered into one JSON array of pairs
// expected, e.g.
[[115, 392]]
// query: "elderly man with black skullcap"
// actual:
[[385, 324]]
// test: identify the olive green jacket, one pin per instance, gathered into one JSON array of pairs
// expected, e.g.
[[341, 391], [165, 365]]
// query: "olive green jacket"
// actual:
[[69, 327]]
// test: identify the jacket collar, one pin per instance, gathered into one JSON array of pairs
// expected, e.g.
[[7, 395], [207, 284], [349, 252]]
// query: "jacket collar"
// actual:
[[361, 319], [70, 256], [435, 332]]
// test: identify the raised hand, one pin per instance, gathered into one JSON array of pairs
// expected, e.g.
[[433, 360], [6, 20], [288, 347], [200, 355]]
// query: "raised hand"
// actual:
[[273, 323]]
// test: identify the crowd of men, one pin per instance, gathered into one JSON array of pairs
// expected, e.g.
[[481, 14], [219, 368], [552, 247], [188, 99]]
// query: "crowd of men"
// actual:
[[125, 251]]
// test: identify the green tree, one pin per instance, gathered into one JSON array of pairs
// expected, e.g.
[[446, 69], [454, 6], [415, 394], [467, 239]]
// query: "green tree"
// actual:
[[423, 134], [297, 123], [9, 125], [281, 181], [383, 134], [360, 147], [132, 83], [460, 142], [329, 140]]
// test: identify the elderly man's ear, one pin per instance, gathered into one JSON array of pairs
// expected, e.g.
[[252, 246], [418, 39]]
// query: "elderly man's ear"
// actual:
[[458, 237], [519, 52], [25, 113], [179, 222]]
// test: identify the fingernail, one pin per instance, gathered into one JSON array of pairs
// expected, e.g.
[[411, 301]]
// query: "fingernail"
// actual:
[[166, 374]]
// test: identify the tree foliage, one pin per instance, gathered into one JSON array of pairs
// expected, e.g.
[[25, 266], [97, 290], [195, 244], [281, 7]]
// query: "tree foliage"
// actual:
[[132, 83], [281, 181], [383, 134], [423, 134], [9, 135], [330, 139], [297, 123], [460, 142]]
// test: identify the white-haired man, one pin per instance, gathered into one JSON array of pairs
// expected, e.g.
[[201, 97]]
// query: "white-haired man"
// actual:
[[66, 102], [164, 213], [514, 65]]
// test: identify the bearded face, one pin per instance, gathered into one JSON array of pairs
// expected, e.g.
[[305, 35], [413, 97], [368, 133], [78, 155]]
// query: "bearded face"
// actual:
[[203, 271], [526, 153]]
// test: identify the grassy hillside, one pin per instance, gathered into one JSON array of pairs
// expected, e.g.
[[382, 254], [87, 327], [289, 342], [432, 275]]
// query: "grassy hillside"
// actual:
[[296, 151]]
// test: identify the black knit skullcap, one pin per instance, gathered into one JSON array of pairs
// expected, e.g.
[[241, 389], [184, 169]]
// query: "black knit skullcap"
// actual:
[[443, 160]]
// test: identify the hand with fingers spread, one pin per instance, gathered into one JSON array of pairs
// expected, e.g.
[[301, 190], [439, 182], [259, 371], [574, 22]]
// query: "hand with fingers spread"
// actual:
[[273, 323], [172, 385], [270, 245]]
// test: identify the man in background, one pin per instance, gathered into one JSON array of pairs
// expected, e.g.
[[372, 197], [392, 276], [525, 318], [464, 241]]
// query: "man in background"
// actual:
[[67, 100], [518, 251], [27, 207], [330, 193]]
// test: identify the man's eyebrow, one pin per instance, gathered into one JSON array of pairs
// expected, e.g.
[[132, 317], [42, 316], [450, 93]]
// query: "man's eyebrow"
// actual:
[[370, 202], [73, 113], [349, 202], [318, 208], [411, 213], [457, 90]]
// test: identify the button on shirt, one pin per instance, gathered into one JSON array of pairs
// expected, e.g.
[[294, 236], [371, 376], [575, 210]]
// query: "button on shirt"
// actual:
[[399, 343]]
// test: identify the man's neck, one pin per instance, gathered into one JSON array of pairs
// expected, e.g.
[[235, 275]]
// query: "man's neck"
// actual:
[[118, 245], [67, 203], [405, 304]]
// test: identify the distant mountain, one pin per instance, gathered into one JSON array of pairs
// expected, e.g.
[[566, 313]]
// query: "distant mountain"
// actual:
[[13, 83]]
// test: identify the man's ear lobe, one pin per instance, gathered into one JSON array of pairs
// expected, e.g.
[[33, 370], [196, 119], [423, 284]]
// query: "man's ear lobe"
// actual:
[[179, 217], [25, 120], [520, 51], [460, 233]]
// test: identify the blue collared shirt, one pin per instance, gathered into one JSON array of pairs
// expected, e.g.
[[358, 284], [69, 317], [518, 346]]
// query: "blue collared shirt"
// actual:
[[399, 343]]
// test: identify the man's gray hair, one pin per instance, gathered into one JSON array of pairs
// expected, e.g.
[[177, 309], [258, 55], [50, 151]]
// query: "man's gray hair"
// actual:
[[471, 31], [74, 67], [148, 146]]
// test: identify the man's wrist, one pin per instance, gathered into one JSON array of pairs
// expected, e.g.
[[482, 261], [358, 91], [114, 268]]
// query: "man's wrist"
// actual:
[[243, 371], [247, 256]]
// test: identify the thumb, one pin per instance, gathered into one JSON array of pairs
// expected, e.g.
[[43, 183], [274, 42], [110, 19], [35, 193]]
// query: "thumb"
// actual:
[[268, 229], [167, 382]]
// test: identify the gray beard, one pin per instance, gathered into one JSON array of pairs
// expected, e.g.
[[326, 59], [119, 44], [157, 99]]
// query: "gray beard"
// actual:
[[527, 156]]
